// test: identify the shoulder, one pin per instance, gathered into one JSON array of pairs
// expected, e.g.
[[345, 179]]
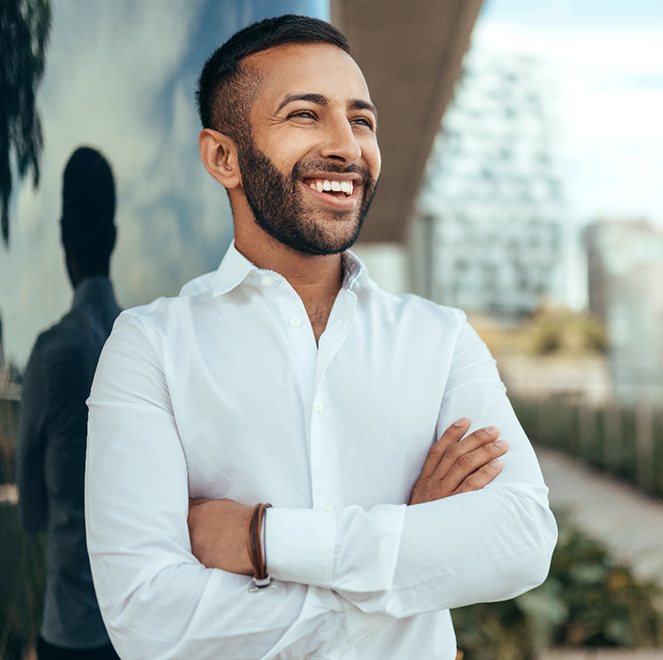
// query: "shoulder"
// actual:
[[56, 344], [410, 308], [165, 321]]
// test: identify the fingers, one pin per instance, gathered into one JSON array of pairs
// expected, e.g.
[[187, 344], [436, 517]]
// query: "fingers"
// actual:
[[460, 462], [450, 437], [456, 465], [481, 477]]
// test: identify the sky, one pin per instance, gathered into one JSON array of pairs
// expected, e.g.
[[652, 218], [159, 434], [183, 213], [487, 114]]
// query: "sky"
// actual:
[[607, 58]]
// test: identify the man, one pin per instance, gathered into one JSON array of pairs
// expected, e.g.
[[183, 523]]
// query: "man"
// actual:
[[288, 377], [52, 430]]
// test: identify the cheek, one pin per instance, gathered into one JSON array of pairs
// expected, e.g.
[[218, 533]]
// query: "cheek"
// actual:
[[374, 161]]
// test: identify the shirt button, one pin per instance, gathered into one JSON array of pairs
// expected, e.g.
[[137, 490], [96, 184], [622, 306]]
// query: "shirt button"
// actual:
[[329, 507], [266, 280], [318, 406], [295, 321]]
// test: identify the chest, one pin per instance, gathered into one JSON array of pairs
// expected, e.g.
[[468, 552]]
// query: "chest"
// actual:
[[268, 415]]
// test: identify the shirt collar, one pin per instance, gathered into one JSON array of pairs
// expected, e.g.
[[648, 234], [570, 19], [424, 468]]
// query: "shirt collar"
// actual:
[[354, 271], [235, 268], [97, 288], [232, 271]]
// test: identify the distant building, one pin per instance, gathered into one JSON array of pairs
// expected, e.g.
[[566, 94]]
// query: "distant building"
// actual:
[[489, 219], [625, 271]]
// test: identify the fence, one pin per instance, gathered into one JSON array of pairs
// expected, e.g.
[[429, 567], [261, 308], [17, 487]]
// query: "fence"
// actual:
[[625, 441]]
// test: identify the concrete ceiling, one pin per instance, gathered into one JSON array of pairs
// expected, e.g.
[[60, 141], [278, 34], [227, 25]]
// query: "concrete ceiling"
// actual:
[[411, 53]]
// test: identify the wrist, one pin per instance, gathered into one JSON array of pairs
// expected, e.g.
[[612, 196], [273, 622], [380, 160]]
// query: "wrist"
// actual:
[[257, 547]]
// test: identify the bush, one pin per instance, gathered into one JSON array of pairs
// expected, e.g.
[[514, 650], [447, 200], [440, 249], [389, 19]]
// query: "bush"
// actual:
[[588, 600]]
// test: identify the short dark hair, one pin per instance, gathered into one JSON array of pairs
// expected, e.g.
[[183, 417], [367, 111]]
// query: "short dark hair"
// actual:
[[226, 87], [88, 211]]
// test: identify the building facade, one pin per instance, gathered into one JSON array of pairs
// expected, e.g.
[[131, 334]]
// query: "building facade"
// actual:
[[625, 272], [489, 219]]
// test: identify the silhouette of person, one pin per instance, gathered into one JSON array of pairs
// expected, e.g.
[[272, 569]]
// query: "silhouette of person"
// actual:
[[53, 420]]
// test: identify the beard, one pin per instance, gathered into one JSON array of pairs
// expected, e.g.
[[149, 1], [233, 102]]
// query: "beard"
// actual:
[[278, 207]]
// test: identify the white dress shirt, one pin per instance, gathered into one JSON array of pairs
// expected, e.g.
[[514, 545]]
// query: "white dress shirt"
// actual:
[[222, 392]]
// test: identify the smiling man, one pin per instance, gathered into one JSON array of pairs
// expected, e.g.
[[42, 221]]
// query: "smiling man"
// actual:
[[372, 424]]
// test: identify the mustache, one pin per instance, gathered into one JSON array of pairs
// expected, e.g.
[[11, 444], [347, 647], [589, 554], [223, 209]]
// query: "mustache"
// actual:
[[301, 168]]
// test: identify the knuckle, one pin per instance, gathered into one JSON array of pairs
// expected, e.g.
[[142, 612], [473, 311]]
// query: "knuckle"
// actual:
[[465, 461], [489, 450], [472, 482], [454, 451]]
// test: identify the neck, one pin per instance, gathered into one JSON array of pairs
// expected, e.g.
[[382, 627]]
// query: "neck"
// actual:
[[313, 277], [316, 279]]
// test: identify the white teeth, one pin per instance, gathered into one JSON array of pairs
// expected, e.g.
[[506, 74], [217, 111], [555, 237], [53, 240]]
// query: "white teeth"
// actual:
[[335, 186]]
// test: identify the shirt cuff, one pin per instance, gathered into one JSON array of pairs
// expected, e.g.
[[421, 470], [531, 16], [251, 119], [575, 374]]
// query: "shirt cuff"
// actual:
[[300, 545]]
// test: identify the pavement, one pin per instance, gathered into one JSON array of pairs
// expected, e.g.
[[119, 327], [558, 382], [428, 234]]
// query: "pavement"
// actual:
[[628, 522]]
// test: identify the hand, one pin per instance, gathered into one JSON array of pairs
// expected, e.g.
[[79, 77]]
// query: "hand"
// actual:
[[454, 467], [219, 533]]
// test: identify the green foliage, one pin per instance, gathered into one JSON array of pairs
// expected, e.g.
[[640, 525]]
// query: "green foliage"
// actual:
[[24, 29], [22, 576], [561, 330], [588, 600]]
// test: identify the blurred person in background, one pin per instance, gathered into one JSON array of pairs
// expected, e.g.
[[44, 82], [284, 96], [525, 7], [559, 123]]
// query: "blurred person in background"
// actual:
[[53, 419], [289, 377]]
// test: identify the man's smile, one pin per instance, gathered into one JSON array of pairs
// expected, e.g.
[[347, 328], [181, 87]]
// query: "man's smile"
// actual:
[[341, 191]]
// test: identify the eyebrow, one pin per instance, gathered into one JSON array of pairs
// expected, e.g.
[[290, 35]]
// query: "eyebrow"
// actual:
[[321, 99]]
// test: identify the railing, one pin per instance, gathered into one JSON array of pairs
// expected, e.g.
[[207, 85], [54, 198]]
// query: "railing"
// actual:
[[625, 441]]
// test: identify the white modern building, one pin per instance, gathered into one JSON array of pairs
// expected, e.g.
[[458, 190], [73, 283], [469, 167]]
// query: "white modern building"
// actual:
[[489, 220], [625, 264]]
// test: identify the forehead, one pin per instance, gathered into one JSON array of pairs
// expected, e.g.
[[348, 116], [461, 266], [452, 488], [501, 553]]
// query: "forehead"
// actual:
[[308, 68]]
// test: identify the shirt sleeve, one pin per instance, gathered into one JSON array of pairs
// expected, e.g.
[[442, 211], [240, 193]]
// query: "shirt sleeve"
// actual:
[[156, 599], [30, 473], [482, 546]]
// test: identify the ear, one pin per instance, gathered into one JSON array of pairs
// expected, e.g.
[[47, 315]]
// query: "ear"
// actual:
[[219, 155]]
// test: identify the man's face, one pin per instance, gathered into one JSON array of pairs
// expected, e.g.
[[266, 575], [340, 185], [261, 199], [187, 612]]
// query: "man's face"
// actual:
[[312, 128]]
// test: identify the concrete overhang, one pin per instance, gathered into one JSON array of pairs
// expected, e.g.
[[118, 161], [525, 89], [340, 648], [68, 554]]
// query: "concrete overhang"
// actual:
[[411, 53]]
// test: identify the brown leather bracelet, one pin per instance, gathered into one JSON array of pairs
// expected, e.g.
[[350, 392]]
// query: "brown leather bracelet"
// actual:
[[261, 578]]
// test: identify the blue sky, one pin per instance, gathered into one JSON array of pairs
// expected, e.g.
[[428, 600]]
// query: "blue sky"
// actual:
[[591, 14], [606, 57]]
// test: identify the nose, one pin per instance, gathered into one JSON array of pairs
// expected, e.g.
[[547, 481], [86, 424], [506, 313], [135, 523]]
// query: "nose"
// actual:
[[340, 142]]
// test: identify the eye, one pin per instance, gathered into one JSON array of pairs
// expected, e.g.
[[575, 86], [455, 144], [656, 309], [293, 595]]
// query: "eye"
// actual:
[[362, 121], [302, 114]]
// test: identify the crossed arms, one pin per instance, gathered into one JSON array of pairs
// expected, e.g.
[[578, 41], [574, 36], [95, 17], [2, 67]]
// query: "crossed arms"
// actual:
[[219, 528], [159, 600]]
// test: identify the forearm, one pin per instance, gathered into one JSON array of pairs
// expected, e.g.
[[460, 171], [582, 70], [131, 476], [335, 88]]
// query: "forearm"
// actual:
[[475, 547], [157, 600]]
